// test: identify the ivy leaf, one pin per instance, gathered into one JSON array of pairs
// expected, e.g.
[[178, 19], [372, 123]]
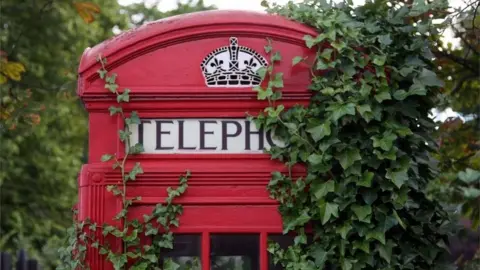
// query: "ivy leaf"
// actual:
[[133, 119], [169, 264], [114, 110], [321, 189], [383, 95], [400, 221], [106, 157], [320, 131], [429, 78], [469, 176], [278, 80], [378, 235], [262, 72], [124, 97], [344, 230], [385, 142], [348, 157], [299, 221], [111, 79], [338, 111], [137, 169], [276, 57], [379, 60], [362, 212], [327, 210], [405, 71], [387, 222], [346, 264], [385, 40], [136, 149], [385, 251], [309, 41], [124, 135], [366, 180], [112, 87], [296, 60], [320, 256], [102, 73], [369, 196], [397, 177]]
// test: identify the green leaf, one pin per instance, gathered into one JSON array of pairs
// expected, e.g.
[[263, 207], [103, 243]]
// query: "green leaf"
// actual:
[[362, 245], [327, 210], [133, 119], [363, 212], [397, 177], [309, 41], [378, 235], [124, 135], [400, 95], [381, 96], [369, 196], [262, 72], [387, 222], [319, 190], [136, 149], [429, 78], [111, 79], [379, 60], [124, 97], [338, 111], [385, 40], [298, 221], [106, 157], [400, 221], [348, 157], [469, 176], [320, 256], [385, 141], [296, 60], [276, 57], [137, 169], [343, 231], [385, 251], [320, 131], [326, 54], [113, 110], [102, 73], [278, 80], [366, 180], [111, 87]]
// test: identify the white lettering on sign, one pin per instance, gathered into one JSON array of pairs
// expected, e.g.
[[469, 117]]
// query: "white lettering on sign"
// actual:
[[164, 136]]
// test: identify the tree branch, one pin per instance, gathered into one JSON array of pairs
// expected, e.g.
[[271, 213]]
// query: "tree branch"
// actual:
[[473, 67], [462, 80]]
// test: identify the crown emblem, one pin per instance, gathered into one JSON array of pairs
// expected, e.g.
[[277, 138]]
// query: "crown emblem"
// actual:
[[232, 66]]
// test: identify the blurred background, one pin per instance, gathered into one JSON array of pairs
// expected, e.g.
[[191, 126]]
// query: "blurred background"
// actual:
[[43, 126]]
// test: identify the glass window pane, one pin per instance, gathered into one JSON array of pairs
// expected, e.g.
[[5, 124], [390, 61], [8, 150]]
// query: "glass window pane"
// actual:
[[186, 252], [234, 252]]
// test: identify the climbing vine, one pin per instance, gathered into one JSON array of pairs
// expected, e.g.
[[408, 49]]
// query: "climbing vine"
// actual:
[[364, 139], [157, 225]]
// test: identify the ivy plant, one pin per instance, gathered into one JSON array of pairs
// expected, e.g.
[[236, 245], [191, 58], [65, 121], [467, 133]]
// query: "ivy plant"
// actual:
[[364, 138], [156, 225]]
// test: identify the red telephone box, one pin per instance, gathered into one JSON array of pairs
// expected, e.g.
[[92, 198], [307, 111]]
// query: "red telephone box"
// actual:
[[191, 79]]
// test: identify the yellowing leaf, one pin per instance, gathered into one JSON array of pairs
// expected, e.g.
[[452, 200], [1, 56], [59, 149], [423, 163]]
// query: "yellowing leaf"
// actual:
[[3, 79], [10, 70], [86, 10]]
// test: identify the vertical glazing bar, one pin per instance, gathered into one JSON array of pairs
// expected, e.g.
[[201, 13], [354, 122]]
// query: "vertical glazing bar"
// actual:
[[205, 251], [263, 251]]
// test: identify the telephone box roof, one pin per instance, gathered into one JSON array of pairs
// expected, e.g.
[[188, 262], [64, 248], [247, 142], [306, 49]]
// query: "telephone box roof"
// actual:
[[189, 24]]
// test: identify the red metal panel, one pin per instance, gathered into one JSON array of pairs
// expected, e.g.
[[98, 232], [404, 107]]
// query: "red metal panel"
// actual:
[[160, 63]]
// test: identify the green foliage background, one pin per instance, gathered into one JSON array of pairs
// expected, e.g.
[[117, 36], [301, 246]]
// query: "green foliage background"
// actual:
[[40, 163]]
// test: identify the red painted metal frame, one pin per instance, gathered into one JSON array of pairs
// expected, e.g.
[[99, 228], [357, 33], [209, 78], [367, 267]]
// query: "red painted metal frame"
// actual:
[[160, 63]]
